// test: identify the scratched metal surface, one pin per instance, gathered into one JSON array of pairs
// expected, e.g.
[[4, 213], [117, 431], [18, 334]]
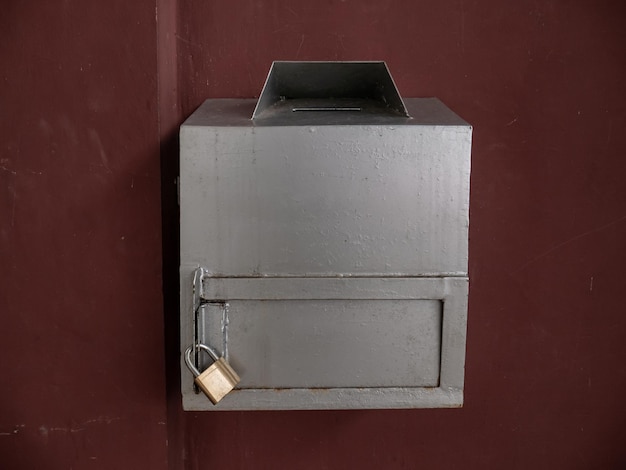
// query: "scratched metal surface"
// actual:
[[365, 342], [325, 343], [324, 200], [292, 204]]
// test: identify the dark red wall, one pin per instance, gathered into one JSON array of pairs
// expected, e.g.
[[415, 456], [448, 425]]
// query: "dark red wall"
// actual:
[[82, 381], [91, 99]]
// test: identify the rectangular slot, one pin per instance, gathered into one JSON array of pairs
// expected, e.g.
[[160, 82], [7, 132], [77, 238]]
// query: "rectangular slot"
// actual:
[[327, 108]]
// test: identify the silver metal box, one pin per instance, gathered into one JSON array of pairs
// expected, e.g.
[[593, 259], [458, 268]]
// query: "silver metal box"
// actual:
[[324, 242]]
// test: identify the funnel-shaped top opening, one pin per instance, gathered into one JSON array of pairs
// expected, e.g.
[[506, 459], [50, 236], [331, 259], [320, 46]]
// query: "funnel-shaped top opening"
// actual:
[[353, 87]]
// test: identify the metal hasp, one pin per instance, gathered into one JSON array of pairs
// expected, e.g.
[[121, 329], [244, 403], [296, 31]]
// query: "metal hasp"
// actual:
[[328, 240]]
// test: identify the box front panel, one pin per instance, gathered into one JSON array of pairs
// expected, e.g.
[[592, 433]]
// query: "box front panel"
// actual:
[[323, 201]]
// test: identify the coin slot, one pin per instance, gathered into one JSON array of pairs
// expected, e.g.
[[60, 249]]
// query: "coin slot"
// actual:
[[326, 108]]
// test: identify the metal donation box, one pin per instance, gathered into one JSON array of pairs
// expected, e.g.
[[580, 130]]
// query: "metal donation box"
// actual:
[[324, 239]]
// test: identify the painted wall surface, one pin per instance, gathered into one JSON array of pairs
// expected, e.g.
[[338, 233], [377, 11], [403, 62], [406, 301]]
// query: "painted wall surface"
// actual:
[[82, 381], [91, 97]]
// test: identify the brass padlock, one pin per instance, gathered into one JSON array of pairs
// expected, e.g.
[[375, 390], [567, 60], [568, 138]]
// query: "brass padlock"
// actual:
[[218, 379]]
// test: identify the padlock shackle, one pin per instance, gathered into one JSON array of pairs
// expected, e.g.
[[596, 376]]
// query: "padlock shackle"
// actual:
[[211, 352]]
